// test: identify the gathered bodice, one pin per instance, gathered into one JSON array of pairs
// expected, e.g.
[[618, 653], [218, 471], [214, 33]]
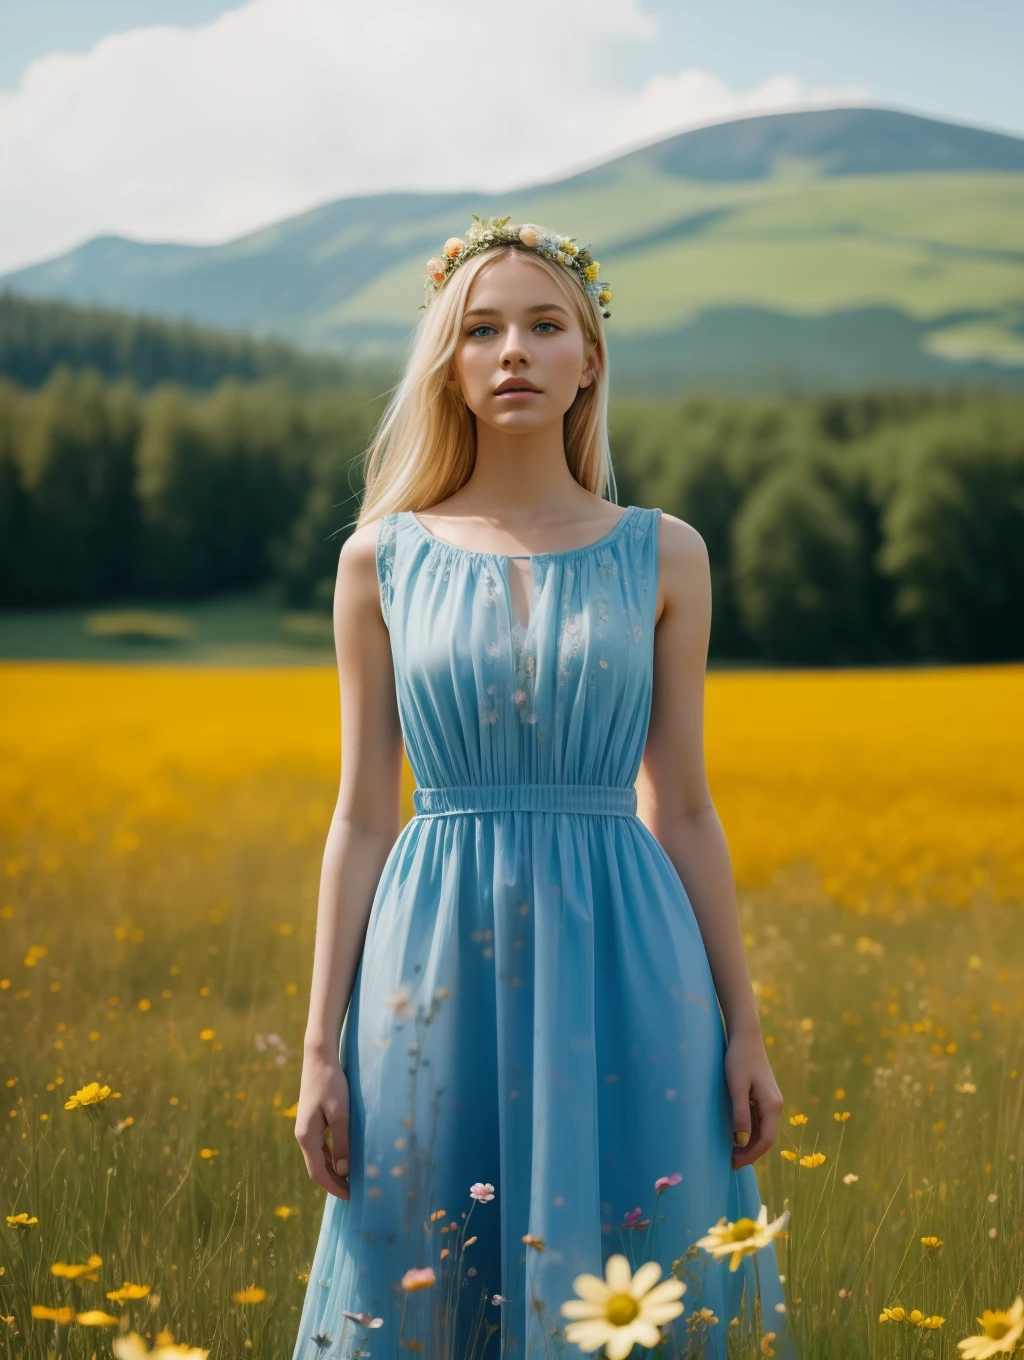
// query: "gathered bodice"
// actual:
[[563, 699]]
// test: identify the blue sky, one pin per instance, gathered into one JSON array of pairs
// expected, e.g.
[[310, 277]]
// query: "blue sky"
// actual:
[[200, 120]]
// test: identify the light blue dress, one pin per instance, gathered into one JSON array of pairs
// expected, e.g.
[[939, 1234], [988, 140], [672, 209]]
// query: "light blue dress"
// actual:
[[533, 1009]]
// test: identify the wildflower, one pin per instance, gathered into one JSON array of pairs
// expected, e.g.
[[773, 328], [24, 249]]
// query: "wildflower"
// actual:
[[92, 1094], [591, 272], [208, 1153], [789, 1156], [88, 1271], [21, 1221], [419, 1278], [841, 1116], [634, 1219], [605, 296], [499, 1298], [892, 1315], [798, 1119], [285, 1211], [1001, 1330], [663, 1182], [966, 1088], [254, 1294], [766, 1343], [364, 1319], [743, 1237], [454, 246], [128, 1291], [436, 269], [850, 1178], [207, 1034], [529, 235], [95, 1317], [931, 1242], [39, 1310], [482, 1191], [537, 1243], [131, 1346], [622, 1310], [812, 1159]]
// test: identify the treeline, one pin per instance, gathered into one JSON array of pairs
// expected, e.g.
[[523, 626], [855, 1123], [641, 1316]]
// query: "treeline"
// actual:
[[858, 529], [853, 529], [37, 336]]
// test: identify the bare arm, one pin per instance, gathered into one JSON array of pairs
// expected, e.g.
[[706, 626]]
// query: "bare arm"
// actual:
[[675, 804], [362, 832]]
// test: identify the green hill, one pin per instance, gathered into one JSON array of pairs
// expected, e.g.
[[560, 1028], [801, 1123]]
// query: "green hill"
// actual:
[[825, 249]]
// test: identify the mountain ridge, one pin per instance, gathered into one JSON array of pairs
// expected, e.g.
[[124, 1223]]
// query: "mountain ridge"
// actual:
[[791, 221]]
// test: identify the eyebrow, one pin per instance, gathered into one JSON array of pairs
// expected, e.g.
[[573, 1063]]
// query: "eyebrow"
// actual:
[[496, 311]]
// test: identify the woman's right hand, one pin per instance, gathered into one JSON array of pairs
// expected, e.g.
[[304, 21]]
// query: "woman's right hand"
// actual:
[[323, 1105]]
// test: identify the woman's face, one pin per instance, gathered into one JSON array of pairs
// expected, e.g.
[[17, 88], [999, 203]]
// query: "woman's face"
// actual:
[[521, 356]]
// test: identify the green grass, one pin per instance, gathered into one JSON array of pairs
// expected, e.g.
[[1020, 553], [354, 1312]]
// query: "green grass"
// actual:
[[243, 630]]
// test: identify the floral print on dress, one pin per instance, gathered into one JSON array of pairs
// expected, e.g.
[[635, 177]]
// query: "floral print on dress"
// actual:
[[570, 644], [524, 674], [386, 541]]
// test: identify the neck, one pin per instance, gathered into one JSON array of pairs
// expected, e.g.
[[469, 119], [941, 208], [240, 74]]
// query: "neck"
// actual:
[[522, 473]]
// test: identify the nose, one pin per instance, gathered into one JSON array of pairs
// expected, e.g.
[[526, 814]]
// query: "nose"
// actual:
[[514, 353]]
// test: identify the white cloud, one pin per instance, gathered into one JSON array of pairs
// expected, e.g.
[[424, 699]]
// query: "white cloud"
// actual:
[[201, 134]]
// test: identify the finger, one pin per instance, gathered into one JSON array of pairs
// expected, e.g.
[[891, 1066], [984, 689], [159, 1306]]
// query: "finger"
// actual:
[[768, 1120], [339, 1144], [330, 1179], [741, 1114]]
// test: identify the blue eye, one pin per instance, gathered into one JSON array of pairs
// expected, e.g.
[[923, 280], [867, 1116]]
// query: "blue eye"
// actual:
[[547, 323], [482, 327]]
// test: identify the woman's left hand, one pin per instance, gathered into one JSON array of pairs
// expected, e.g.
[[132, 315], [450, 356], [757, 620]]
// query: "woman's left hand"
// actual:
[[750, 1078]]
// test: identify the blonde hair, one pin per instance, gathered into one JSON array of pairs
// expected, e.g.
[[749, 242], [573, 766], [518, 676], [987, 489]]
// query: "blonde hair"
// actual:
[[424, 447]]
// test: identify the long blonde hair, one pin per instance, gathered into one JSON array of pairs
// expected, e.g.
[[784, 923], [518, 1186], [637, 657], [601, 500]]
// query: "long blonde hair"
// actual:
[[424, 447]]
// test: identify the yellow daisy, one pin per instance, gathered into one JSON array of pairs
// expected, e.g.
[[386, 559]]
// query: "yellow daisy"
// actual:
[[623, 1309], [128, 1291], [1003, 1328], [743, 1237], [95, 1317], [91, 1094]]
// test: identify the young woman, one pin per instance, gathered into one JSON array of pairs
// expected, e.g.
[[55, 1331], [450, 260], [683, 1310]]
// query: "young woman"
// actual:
[[514, 1041]]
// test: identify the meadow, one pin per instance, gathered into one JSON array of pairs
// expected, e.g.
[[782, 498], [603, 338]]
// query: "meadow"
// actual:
[[161, 829]]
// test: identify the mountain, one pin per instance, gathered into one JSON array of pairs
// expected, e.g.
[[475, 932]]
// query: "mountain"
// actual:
[[834, 248]]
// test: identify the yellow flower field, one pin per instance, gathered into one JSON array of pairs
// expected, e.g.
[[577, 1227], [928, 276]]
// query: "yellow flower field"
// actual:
[[160, 839]]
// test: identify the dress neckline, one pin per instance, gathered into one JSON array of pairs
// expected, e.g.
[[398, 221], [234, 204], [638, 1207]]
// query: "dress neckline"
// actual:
[[492, 556]]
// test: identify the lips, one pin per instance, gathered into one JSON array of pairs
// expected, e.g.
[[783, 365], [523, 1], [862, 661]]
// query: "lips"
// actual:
[[515, 385]]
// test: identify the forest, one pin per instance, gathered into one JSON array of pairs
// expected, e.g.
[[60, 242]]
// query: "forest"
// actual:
[[856, 529]]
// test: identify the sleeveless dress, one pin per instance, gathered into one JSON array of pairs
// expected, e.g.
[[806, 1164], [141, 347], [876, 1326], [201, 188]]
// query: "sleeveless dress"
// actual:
[[533, 1013]]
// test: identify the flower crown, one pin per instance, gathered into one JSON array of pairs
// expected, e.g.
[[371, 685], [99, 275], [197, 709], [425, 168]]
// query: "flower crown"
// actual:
[[497, 232]]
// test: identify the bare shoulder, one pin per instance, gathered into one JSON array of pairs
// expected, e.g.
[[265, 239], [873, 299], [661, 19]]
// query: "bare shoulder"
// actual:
[[684, 571], [357, 581]]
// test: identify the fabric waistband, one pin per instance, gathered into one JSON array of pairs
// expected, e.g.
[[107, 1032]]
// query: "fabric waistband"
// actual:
[[608, 799]]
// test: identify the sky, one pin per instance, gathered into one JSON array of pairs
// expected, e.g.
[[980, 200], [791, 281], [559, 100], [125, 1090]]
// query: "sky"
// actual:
[[199, 120]]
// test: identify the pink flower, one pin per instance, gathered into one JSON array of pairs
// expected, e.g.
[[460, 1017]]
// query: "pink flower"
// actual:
[[436, 269], [481, 1190], [519, 698], [633, 1216], [500, 1298], [419, 1278], [663, 1182]]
